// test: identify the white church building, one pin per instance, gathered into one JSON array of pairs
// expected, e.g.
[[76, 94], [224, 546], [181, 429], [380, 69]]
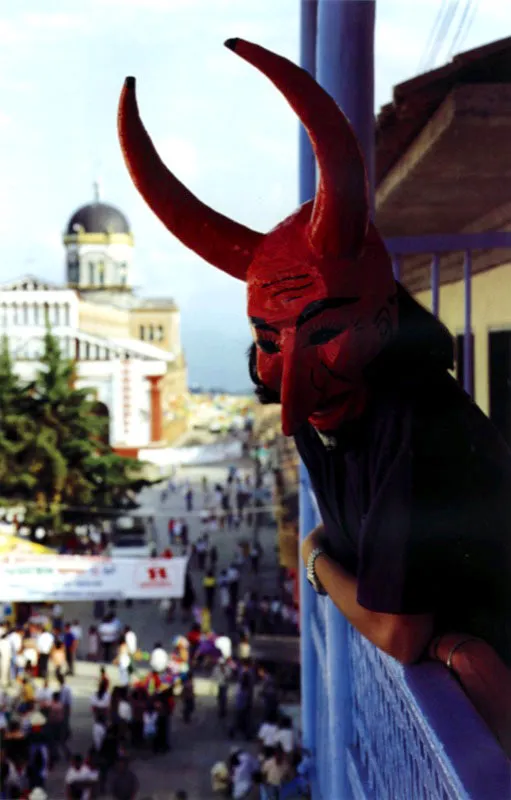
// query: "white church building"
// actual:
[[127, 348]]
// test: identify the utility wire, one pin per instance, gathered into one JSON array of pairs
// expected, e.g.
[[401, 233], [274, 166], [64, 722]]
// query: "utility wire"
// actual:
[[464, 26], [439, 42], [432, 34]]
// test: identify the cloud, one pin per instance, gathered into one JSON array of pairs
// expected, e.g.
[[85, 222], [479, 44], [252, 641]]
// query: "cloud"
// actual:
[[180, 156]]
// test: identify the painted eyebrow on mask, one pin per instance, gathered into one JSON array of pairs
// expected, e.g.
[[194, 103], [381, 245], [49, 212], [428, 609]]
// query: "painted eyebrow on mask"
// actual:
[[318, 306], [288, 278], [262, 325]]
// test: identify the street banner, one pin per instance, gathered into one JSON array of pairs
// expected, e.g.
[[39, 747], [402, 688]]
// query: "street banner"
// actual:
[[51, 578]]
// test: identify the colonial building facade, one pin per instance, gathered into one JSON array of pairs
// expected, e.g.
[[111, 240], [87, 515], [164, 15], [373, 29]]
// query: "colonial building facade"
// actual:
[[127, 348]]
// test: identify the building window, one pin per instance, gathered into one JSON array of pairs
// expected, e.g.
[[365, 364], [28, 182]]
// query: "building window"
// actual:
[[66, 314], [87, 351], [142, 332], [56, 316], [91, 273], [36, 314], [159, 333], [123, 273], [151, 333], [101, 272], [25, 314]]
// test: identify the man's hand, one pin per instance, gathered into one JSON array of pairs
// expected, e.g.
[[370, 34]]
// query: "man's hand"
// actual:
[[313, 540]]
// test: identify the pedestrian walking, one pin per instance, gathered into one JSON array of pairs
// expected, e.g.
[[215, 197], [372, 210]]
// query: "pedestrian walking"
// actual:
[[69, 645], [188, 599], [213, 557], [202, 551], [255, 555], [76, 630], [58, 657], [209, 584], [233, 580], [188, 698], [184, 532], [221, 675], [44, 644], [189, 499], [66, 698], [108, 635], [93, 644], [56, 729], [243, 708], [57, 618]]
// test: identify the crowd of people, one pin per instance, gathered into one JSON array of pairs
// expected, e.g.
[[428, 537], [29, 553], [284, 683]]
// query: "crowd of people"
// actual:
[[279, 758], [131, 714]]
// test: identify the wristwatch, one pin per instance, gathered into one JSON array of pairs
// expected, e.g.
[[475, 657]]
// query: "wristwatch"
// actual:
[[311, 570]]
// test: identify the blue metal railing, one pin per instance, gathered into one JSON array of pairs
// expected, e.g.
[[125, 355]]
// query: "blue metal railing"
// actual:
[[382, 731]]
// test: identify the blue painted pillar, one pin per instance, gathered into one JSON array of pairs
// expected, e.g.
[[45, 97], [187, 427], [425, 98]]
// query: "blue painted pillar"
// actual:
[[435, 284], [345, 68], [307, 162], [309, 660], [307, 187], [345, 65], [468, 351]]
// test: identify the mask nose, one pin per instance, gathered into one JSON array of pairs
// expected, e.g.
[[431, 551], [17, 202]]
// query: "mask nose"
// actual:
[[297, 393]]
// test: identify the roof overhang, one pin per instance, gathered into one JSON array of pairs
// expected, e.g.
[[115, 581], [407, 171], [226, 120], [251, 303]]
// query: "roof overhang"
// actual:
[[453, 178]]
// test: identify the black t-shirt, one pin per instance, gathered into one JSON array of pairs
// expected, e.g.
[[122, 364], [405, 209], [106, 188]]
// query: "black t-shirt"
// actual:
[[416, 503]]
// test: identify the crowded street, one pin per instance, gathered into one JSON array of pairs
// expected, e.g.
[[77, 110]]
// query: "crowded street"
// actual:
[[197, 740]]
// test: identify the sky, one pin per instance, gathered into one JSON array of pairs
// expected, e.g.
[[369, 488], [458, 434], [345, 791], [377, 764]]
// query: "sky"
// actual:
[[218, 123]]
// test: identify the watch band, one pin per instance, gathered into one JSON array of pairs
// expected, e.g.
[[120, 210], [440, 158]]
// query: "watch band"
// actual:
[[311, 570]]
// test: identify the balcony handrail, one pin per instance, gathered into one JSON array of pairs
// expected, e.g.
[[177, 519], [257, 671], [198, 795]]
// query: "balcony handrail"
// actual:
[[379, 730]]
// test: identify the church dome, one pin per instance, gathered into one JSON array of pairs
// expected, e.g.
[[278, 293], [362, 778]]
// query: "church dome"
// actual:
[[97, 217]]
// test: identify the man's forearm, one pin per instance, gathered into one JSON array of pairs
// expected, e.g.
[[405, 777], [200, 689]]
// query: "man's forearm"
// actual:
[[342, 589], [403, 636]]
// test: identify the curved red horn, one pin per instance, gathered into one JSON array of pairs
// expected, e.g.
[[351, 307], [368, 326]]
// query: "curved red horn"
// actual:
[[340, 214], [224, 243]]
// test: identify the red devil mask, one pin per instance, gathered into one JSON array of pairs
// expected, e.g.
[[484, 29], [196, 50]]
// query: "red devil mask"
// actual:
[[321, 295]]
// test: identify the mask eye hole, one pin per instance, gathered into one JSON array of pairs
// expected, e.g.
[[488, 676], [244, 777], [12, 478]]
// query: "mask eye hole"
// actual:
[[268, 346], [323, 335]]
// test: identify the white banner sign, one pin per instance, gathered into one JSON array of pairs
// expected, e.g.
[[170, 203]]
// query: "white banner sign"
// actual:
[[40, 578]]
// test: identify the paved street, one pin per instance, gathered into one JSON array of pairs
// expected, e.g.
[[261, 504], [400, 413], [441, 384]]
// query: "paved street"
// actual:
[[197, 746]]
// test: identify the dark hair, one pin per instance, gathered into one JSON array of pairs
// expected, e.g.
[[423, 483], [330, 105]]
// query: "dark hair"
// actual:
[[265, 395]]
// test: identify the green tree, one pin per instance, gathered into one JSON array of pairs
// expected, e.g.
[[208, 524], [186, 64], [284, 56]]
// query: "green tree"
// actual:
[[54, 450], [17, 431], [84, 471]]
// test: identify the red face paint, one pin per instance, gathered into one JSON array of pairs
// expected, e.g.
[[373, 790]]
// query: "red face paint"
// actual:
[[321, 296]]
